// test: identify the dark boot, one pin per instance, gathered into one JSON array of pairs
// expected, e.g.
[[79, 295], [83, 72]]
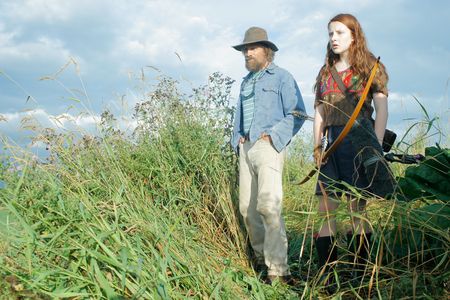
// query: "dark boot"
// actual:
[[359, 247], [259, 266], [327, 255], [286, 279]]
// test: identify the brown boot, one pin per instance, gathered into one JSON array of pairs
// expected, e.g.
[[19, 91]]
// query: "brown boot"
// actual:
[[286, 279]]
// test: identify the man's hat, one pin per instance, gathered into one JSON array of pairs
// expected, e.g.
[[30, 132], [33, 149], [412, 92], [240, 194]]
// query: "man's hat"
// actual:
[[255, 35]]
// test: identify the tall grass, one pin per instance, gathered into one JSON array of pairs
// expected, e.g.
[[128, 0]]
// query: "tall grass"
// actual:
[[153, 215], [410, 249], [146, 217]]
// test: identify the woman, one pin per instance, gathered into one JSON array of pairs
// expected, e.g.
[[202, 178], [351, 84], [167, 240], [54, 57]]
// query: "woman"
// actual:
[[347, 52]]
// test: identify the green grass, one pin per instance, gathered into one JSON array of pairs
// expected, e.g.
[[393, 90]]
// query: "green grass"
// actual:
[[154, 215]]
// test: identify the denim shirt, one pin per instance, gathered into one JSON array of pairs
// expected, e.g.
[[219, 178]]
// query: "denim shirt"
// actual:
[[277, 96]]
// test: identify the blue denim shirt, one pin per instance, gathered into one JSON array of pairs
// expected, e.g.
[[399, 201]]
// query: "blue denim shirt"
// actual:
[[276, 96]]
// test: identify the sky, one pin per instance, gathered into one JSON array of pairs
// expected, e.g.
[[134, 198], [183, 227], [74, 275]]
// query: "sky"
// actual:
[[58, 58]]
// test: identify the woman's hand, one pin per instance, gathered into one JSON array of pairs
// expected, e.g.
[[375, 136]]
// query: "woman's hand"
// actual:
[[318, 155], [318, 128]]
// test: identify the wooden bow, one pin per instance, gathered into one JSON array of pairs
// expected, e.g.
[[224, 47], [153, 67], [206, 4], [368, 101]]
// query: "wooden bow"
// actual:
[[349, 124]]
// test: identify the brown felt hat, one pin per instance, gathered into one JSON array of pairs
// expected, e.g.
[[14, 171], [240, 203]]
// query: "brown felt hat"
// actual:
[[255, 35]]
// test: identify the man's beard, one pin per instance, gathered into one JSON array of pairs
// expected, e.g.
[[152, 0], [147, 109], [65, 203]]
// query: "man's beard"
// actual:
[[253, 65]]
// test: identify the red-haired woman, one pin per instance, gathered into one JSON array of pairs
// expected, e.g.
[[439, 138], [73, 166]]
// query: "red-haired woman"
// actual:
[[348, 54]]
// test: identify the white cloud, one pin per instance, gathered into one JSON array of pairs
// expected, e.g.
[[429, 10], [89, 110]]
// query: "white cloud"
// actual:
[[33, 121], [111, 38], [49, 11], [38, 119], [15, 51]]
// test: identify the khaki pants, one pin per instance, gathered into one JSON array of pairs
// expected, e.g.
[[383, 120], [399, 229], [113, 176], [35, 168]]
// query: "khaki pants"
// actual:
[[260, 202]]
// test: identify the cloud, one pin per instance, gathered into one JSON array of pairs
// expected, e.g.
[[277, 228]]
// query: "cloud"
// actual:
[[110, 40], [22, 126], [23, 61], [36, 51], [44, 10]]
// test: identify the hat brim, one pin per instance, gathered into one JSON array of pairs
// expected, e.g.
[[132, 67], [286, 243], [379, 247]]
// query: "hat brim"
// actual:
[[267, 43]]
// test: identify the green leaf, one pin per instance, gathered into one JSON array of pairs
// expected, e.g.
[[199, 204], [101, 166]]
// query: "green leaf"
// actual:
[[436, 215], [423, 108], [104, 284]]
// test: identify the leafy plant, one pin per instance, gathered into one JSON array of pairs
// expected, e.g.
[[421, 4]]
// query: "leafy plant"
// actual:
[[430, 179]]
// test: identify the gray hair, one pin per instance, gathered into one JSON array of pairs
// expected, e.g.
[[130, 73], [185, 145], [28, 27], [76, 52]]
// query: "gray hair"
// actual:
[[270, 53]]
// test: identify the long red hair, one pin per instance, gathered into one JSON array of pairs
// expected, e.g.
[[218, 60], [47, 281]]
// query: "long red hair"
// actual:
[[360, 58]]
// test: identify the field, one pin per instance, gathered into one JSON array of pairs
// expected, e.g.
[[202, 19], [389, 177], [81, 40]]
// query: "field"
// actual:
[[153, 214]]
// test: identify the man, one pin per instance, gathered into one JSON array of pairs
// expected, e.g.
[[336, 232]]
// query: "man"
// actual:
[[264, 125]]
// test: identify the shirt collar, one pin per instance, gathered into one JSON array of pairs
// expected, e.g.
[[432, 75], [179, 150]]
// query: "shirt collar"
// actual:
[[270, 69]]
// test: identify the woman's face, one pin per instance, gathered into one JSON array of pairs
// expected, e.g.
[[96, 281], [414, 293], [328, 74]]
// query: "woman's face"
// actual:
[[340, 38]]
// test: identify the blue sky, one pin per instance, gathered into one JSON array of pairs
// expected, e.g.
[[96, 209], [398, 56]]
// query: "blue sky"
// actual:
[[107, 43]]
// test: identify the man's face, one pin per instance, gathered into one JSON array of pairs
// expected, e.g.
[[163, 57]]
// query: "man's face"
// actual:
[[255, 57]]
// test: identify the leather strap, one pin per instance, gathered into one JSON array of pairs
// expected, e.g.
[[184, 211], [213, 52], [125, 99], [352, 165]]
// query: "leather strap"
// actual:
[[350, 122], [338, 80]]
